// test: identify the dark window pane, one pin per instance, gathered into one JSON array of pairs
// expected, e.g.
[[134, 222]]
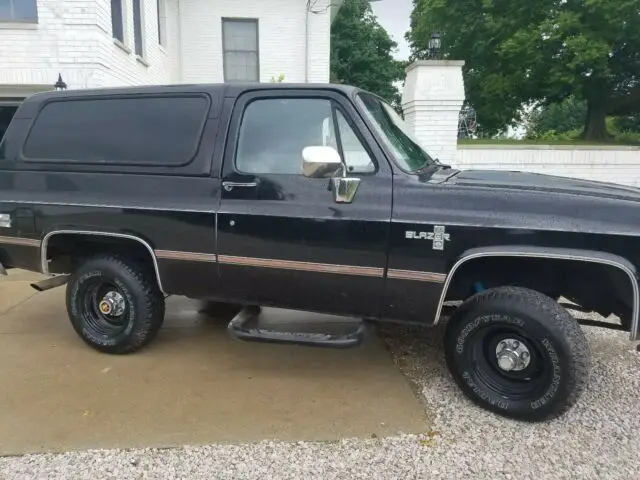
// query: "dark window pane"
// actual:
[[6, 114], [116, 20], [155, 131], [18, 11], [137, 28], [274, 133]]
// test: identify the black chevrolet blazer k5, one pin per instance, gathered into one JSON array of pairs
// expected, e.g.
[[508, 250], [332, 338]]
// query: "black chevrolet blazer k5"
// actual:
[[317, 198]]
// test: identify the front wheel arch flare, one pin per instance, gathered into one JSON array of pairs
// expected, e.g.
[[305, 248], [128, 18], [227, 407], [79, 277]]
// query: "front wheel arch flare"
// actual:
[[589, 256]]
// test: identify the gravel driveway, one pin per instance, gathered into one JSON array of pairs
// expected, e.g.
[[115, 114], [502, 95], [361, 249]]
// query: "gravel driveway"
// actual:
[[598, 438]]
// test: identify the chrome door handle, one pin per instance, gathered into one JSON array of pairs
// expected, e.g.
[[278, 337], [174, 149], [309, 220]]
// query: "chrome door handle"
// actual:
[[228, 186]]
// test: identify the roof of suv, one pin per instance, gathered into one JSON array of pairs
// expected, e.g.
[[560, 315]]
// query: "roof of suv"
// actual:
[[226, 89]]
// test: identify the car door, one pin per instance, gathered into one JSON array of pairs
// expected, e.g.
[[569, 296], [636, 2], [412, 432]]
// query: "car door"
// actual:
[[281, 238]]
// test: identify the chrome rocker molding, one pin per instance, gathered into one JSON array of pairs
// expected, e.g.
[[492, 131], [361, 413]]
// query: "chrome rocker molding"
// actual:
[[44, 265], [554, 254]]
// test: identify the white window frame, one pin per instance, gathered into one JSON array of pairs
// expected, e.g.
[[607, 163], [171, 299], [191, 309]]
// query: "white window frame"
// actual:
[[12, 19]]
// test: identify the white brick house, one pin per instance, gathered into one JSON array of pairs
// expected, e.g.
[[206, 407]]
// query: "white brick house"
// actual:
[[102, 43]]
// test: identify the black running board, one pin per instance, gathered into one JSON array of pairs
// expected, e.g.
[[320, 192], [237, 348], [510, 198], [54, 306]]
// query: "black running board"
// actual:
[[238, 328]]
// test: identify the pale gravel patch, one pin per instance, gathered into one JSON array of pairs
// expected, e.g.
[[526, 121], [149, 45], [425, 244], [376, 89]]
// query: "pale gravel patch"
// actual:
[[598, 438]]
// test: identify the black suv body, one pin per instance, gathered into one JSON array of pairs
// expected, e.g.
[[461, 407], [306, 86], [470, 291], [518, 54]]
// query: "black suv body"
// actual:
[[222, 192]]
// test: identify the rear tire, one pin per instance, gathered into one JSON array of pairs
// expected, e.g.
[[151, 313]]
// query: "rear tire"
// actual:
[[114, 304], [518, 353]]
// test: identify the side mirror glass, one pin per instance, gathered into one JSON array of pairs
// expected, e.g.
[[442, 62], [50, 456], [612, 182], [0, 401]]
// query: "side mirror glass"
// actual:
[[321, 162]]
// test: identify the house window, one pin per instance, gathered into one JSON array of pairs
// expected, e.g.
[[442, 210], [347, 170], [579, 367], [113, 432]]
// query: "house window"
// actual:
[[162, 23], [240, 50], [18, 11], [117, 20], [138, 35]]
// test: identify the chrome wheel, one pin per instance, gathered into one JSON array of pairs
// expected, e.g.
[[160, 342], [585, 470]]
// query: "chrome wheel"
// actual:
[[104, 308], [512, 355], [112, 304]]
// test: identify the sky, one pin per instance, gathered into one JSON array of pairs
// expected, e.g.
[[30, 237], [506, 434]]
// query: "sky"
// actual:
[[394, 16]]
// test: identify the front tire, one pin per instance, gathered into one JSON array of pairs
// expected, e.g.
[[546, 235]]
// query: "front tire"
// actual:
[[114, 304], [518, 353]]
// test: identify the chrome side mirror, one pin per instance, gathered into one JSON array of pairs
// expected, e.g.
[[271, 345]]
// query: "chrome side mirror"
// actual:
[[321, 162], [325, 162]]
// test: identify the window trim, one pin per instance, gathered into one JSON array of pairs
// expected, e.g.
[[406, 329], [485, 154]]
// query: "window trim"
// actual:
[[256, 21], [19, 21], [141, 18], [123, 23], [334, 107], [22, 157]]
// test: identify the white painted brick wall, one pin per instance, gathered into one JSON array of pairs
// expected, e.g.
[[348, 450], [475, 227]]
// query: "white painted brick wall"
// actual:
[[73, 37], [282, 38], [123, 68], [607, 164]]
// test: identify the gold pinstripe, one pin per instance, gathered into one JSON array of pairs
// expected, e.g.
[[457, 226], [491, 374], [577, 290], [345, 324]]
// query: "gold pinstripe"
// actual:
[[27, 242]]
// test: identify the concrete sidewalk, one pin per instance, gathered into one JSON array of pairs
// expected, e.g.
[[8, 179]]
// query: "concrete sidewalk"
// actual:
[[193, 385]]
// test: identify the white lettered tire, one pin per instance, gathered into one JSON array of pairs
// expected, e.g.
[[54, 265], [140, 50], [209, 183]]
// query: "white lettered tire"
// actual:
[[518, 353]]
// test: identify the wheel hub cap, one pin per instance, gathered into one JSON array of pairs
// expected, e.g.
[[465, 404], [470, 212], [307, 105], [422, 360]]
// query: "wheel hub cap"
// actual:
[[112, 304], [512, 355]]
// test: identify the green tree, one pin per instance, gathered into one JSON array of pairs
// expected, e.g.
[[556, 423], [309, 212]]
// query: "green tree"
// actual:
[[628, 123], [362, 52], [564, 117], [519, 52]]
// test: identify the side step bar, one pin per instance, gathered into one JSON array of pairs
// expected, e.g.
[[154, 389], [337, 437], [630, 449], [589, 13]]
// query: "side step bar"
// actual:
[[238, 328]]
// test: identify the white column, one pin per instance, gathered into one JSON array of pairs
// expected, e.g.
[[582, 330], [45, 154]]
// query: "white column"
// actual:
[[432, 99]]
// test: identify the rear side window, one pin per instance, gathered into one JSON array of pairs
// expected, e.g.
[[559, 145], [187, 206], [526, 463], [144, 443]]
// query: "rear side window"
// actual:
[[159, 131]]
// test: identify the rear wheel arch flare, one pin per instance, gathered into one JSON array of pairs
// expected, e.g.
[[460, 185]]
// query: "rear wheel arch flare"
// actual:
[[44, 266]]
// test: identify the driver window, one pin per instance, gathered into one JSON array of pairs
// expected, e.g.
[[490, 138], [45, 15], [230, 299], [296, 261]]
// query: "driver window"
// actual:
[[274, 132]]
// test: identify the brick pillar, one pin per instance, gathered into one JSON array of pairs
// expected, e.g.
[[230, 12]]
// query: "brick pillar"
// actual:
[[432, 99]]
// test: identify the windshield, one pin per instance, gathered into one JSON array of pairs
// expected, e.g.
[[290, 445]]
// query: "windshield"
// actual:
[[396, 135]]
